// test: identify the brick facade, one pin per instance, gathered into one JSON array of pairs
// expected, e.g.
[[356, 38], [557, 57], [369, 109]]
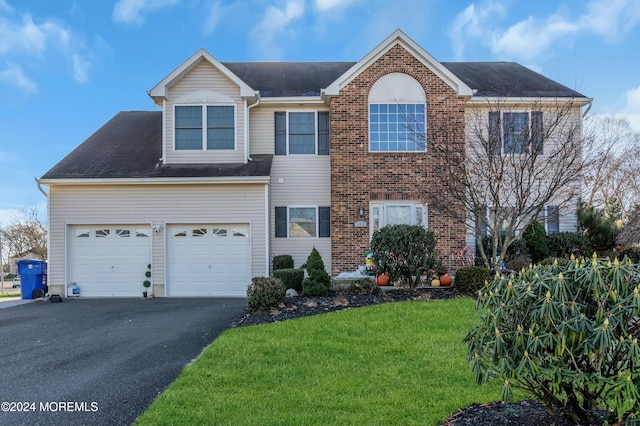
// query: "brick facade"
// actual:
[[359, 176]]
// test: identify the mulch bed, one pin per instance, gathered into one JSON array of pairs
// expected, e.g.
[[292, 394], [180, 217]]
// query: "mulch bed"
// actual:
[[523, 413]]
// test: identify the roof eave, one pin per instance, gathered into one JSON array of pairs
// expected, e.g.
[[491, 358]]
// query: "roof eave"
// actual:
[[159, 91], [579, 101], [155, 181]]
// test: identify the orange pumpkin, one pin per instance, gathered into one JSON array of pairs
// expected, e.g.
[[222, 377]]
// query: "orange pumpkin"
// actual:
[[382, 279], [445, 280]]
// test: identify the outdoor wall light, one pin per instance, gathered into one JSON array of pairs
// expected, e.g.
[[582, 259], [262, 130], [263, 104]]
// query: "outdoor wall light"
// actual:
[[361, 210]]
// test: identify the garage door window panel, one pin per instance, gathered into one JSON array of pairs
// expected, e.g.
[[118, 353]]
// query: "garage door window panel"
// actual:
[[199, 232], [102, 233], [123, 233], [219, 232]]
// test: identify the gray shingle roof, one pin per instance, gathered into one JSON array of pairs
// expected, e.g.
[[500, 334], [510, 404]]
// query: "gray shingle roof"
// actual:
[[282, 79], [508, 79], [130, 146]]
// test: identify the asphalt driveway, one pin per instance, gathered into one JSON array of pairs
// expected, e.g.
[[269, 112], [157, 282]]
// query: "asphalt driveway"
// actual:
[[100, 361]]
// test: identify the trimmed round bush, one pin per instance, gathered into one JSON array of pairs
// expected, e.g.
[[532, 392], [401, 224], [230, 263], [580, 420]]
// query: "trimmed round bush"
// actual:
[[264, 293], [282, 261], [405, 252], [291, 278], [470, 279], [313, 288]]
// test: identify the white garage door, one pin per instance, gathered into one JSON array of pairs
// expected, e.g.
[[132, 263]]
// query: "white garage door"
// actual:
[[209, 260], [110, 260]]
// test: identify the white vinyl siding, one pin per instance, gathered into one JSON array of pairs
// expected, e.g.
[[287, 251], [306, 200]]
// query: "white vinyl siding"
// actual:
[[262, 127], [156, 205], [204, 76], [300, 181]]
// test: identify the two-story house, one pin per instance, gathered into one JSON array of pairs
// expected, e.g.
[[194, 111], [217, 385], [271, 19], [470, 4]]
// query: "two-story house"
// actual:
[[245, 161]]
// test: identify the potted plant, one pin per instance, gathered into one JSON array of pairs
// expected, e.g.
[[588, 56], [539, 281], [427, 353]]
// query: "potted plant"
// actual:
[[147, 283]]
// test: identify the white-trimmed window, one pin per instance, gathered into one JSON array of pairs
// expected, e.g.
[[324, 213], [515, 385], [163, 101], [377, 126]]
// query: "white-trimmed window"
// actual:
[[552, 221], [205, 127], [396, 213], [516, 132], [303, 221], [397, 114], [301, 132]]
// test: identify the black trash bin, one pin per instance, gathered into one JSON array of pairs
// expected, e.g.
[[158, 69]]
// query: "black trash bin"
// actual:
[[33, 278]]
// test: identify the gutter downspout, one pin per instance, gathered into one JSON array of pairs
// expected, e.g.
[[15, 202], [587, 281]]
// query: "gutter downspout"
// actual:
[[247, 145], [584, 114], [40, 189]]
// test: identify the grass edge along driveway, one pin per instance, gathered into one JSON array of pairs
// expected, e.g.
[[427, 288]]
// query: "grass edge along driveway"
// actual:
[[397, 363]]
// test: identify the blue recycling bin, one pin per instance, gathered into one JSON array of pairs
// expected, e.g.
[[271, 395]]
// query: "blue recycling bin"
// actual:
[[33, 278]]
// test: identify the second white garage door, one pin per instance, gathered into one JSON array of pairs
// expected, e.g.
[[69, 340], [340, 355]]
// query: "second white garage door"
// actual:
[[209, 260]]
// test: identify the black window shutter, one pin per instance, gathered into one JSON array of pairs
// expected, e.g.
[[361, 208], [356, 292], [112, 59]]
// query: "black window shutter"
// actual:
[[281, 132], [323, 133], [325, 221], [537, 130], [281, 222], [495, 141]]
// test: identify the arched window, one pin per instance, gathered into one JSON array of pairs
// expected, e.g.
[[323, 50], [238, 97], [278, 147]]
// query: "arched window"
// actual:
[[397, 114]]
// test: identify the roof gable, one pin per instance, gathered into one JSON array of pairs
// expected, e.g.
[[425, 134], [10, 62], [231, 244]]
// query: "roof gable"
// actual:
[[400, 38], [159, 91]]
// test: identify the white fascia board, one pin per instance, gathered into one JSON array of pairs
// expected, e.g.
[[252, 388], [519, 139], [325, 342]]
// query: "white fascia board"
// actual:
[[159, 91], [493, 101], [399, 37], [158, 181], [293, 100]]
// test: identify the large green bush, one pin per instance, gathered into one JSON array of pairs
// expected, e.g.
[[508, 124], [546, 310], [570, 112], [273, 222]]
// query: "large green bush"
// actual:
[[565, 244], [291, 277], [470, 279], [535, 237], [567, 335], [405, 252], [282, 261], [264, 293]]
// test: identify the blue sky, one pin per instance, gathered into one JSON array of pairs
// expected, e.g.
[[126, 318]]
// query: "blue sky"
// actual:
[[68, 66]]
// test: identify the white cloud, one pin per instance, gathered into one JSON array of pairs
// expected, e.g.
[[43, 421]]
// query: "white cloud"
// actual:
[[4, 7], [632, 109], [533, 36], [131, 12], [214, 13], [15, 76], [8, 216], [24, 38], [28, 37], [80, 68], [268, 34], [471, 24], [329, 5]]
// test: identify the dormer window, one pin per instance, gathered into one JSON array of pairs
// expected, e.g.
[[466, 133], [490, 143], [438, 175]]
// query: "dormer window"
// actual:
[[205, 127]]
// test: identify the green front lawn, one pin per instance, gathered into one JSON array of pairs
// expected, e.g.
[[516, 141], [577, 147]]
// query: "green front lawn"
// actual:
[[396, 363], [10, 295]]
